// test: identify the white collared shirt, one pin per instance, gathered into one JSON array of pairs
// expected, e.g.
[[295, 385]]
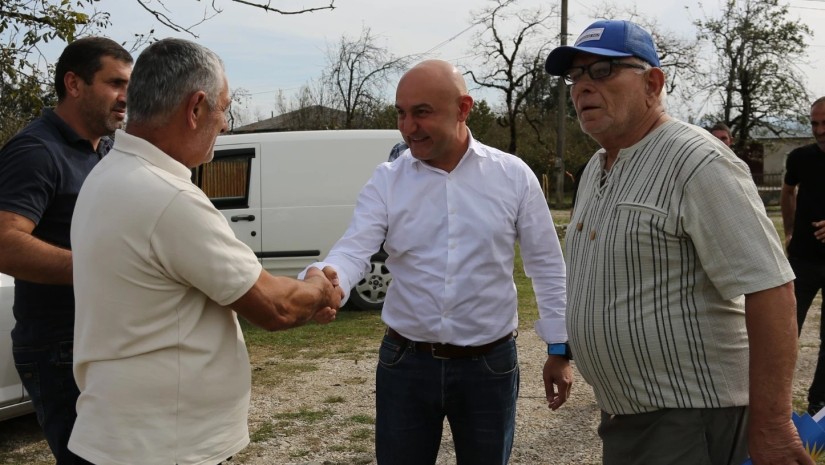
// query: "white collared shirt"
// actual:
[[451, 241]]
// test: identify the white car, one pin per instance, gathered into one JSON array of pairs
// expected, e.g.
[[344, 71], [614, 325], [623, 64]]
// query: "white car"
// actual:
[[14, 401]]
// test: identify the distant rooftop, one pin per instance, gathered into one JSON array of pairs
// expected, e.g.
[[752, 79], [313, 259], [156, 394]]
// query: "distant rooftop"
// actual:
[[309, 118]]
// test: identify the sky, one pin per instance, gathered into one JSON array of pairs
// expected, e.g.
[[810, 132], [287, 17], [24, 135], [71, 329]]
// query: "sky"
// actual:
[[265, 53]]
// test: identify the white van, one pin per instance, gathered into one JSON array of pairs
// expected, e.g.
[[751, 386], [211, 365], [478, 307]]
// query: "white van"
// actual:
[[290, 195]]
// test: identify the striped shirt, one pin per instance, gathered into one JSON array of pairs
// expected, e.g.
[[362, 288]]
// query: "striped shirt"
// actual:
[[659, 256]]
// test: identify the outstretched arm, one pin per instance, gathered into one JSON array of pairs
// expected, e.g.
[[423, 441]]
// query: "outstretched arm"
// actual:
[[276, 302], [787, 202]]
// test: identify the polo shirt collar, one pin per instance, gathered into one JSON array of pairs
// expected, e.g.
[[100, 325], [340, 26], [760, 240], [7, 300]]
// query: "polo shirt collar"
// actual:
[[141, 148], [70, 135]]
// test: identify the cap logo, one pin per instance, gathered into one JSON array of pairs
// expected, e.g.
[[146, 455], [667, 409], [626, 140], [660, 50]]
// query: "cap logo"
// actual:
[[590, 34]]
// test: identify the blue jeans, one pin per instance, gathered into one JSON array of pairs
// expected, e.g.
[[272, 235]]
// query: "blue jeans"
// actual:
[[46, 372], [415, 391], [810, 279]]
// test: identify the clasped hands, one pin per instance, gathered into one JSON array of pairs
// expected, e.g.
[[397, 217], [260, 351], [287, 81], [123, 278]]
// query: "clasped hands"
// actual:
[[327, 280]]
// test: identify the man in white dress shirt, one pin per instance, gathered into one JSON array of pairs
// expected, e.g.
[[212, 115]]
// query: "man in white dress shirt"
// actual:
[[449, 212]]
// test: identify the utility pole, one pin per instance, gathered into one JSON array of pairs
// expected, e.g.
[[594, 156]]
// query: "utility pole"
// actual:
[[561, 113]]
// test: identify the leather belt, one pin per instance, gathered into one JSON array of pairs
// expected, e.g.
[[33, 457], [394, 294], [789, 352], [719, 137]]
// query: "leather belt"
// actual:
[[439, 350]]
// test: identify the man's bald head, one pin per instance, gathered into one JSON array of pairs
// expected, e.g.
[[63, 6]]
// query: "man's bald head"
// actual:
[[433, 106], [439, 72]]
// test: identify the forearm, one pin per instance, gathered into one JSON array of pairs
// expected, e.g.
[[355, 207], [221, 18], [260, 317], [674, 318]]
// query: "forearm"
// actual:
[[27, 257], [277, 303], [772, 335], [787, 203]]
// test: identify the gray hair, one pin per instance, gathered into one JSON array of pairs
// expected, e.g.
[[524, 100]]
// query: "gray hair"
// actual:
[[166, 73], [663, 94]]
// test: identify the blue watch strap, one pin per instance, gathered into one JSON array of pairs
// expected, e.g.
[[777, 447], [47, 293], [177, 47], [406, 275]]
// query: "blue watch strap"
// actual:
[[562, 349]]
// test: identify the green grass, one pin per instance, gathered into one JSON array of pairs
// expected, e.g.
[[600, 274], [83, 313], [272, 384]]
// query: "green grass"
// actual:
[[362, 419], [305, 415], [264, 432], [273, 372], [352, 333]]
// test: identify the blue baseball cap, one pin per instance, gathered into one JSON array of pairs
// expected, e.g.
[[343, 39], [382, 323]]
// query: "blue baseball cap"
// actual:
[[605, 38]]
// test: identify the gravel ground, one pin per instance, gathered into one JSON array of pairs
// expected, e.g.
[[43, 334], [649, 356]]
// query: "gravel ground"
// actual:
[[567, 436], [324, 416]]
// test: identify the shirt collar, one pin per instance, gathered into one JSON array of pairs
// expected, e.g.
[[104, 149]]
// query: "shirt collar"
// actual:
[[474, 148], [133, 145], [70, 134], [633, 149]]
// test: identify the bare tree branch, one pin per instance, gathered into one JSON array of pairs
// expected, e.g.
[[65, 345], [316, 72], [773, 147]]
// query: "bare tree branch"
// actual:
[[509, 63], [268, 7]]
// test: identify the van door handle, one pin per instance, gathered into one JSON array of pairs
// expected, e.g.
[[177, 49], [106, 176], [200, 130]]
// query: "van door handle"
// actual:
[[236, 218]]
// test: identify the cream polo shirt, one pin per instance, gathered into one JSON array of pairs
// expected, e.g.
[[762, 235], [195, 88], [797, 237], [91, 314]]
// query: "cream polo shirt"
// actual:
[[160, 361], [659, 257]]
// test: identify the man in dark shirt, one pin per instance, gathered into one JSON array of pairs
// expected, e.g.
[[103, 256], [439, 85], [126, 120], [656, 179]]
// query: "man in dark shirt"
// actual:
[[803, 216], [41, 171], [722, 132]]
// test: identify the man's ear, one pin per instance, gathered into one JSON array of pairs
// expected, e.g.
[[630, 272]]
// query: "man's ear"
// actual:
[[465, 104], [196, 107], [72, 83], [655, 82]]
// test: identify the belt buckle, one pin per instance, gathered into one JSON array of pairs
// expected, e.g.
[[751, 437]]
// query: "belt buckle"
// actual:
[[434, 348]]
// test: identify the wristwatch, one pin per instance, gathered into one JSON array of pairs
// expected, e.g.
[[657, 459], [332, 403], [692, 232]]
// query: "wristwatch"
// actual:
[[561, 349]]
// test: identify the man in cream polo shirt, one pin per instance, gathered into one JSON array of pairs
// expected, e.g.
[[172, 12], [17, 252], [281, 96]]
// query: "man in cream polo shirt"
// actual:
[[159, 356]]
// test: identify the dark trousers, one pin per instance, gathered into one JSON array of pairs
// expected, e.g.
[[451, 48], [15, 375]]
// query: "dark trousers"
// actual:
[[810, 279], [46, 372], [415, 392], [710, 436]]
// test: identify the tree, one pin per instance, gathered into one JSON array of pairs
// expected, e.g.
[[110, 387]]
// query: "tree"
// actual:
[[25, 76], [158, 9], [238, 113], [509, 62], [357, 73], [679, 56], [755, 80]]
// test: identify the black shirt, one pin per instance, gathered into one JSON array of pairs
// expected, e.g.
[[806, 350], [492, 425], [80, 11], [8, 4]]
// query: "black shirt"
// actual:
[[805, 167], [41, 171]]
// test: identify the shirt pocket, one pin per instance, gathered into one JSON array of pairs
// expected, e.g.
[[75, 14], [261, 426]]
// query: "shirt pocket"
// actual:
[[633, 207], [641, 223]]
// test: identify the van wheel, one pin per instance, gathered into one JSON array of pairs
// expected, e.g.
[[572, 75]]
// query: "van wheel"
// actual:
[[370, 292]]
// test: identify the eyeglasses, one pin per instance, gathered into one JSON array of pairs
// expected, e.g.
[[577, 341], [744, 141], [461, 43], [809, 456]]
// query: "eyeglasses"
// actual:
[[596, 70]]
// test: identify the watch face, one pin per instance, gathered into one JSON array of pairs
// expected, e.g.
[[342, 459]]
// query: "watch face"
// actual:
[[562, 349]]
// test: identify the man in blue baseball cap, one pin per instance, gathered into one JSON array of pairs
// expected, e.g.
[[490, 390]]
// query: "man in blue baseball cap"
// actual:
[[680, 308]]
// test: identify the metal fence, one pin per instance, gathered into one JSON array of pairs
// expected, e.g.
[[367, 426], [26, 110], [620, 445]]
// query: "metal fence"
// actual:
[[768, 181]]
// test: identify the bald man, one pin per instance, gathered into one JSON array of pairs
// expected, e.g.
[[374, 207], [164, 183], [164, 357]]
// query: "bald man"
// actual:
[[449, 212]]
